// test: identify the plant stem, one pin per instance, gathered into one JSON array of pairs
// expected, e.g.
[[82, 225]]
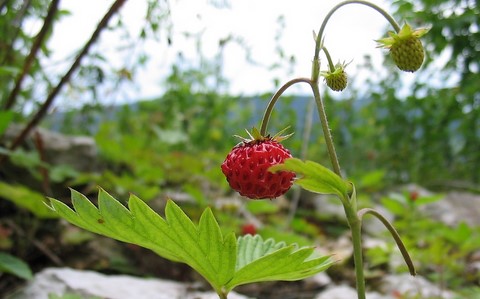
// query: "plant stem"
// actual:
[[355, 225], [276, 96], [319, 41], [326, 130], [395, 235], [329, 59]]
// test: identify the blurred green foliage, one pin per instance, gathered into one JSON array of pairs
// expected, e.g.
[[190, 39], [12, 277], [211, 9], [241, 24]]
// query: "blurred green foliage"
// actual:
[[385, 134]]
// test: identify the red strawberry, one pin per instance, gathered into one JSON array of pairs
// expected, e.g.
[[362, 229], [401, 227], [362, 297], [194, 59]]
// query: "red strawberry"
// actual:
[[246, 168], [249, 229], [414, 195]]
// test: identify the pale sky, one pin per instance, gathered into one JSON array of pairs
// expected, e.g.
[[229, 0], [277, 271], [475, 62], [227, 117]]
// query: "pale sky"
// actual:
[[349, 36]]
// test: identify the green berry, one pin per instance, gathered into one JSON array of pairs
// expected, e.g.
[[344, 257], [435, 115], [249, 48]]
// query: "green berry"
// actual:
[[336, 80], [406, 48]]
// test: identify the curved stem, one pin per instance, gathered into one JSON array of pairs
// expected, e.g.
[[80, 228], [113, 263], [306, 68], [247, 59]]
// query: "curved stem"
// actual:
[[329, 59], [273, 100], [326, 130], [389, 18], [395, 235]]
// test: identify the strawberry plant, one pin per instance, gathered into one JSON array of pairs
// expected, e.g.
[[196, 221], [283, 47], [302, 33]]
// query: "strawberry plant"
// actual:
[[258, 167], [408, 54]]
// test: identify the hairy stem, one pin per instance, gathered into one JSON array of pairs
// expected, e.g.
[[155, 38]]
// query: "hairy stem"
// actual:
[[326, 130], [395, 235], [355, 225], [319, 41]]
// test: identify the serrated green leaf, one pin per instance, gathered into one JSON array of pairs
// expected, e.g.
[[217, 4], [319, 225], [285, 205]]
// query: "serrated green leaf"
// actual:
[[152, 225], [314, 177], [260, 260], [13, 265], [27, 199], [176, 237], [211, 241], [203, 247], [251, 248]]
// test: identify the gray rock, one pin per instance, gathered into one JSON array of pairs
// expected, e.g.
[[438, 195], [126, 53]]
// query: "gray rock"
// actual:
[[79, 152], [347, 292], [318, 280], [88, 284], [413, 286], [456, 207], [328, 206]]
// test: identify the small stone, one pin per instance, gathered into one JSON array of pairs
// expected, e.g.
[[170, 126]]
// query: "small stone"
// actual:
[[60, 281]]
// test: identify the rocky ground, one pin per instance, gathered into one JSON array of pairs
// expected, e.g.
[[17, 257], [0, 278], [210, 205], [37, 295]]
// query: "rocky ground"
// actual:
[[74, 275]]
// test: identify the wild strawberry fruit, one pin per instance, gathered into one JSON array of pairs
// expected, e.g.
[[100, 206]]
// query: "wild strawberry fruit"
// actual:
[[249, 229], [405, 47], [246, 167], [413, 195], [336, 80]]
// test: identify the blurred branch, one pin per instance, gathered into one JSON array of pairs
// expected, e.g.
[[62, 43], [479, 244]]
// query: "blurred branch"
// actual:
[[54, 92], [17, 22], [37, 43]]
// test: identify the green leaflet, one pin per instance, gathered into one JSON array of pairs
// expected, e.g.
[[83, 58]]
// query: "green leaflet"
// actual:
[[260, 260], [220, 259], [175, 237], [315, 177]]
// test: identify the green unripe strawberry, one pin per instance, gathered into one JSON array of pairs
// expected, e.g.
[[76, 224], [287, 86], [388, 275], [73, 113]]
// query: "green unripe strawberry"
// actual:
[[336, 80], [406, 48]]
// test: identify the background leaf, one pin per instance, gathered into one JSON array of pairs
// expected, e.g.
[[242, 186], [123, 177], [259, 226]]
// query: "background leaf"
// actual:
[[15, 266], [5, 118], [27, 199]]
